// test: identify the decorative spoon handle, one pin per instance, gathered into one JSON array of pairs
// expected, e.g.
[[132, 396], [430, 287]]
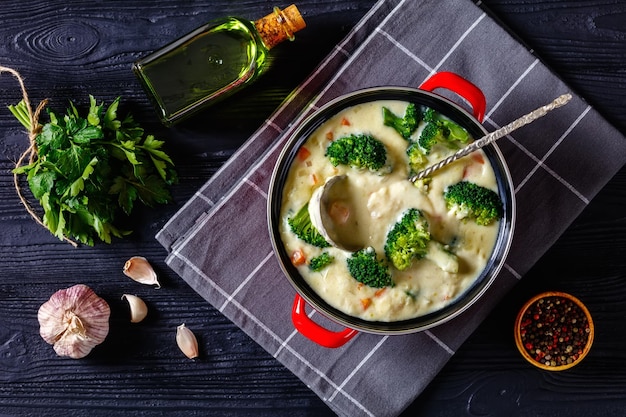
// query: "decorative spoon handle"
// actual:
[[491, 137]]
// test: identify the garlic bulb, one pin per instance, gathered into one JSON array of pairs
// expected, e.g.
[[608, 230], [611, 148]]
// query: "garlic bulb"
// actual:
[[139, 269], [74, 321], [187, 341], [138, 308]]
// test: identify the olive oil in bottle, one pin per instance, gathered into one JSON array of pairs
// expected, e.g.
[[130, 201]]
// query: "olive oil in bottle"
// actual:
[[212, 62]]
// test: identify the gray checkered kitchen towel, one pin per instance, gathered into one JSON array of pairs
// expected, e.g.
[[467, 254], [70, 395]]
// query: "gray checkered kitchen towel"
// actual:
[[399, 42]]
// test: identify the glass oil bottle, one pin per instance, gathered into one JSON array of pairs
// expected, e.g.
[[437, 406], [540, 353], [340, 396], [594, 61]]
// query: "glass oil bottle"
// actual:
[[212, 62]]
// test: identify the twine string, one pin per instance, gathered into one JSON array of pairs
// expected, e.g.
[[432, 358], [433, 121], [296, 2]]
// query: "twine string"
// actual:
[[31, 151]]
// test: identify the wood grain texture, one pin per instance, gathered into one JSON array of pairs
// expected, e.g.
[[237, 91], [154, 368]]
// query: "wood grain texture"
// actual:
[[68, 49]]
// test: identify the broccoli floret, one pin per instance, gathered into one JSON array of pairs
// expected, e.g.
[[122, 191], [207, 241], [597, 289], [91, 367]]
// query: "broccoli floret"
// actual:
[[441, 130], [431, 134], [408, 239], [430, 115], [417, 159], [358, 151], [320, 262], [469, 200], [442, 257], [365, 267], [406, 125], [302, 227], [423, 184], [457, 133]]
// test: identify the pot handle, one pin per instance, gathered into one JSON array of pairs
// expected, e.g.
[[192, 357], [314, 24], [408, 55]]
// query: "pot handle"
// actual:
[[462, 87], [313, 331]]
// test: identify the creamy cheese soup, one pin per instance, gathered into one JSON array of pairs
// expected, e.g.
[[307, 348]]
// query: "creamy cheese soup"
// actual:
[[422, 288]]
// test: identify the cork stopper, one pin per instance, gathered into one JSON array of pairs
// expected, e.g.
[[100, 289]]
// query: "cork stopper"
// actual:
[[280, 25]]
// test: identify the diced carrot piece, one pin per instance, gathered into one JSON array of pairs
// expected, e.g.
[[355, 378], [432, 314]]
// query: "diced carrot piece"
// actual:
[[366, 302], [330, 136], [298, 258], [379, 292], [303, 153], [478, 157], [474, 166], [314, 179], [345, 122], [339, 212]]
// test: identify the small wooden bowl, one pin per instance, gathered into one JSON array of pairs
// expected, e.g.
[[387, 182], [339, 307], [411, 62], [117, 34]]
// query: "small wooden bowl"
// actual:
[[554, 331]]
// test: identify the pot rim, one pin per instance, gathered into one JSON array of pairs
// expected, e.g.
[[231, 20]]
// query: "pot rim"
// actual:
[[505, 187]]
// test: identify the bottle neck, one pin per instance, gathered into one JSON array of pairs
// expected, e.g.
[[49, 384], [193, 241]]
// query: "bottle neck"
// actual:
[[279, 26]]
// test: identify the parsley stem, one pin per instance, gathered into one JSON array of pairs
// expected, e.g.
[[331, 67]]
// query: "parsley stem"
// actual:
[[21, 114]]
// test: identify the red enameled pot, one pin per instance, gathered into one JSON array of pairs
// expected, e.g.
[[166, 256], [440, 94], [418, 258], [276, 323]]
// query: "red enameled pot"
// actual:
[[422, 96]]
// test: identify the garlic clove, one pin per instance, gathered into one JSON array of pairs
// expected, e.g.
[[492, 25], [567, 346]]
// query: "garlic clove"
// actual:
[[139, 269], [138, 308], [74, 321], [187, 341]]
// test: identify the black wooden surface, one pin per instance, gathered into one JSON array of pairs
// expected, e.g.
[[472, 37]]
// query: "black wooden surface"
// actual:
[[67, 49]]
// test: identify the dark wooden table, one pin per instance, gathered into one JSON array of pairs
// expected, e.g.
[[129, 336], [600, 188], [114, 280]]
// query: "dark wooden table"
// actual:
[[67, 49]]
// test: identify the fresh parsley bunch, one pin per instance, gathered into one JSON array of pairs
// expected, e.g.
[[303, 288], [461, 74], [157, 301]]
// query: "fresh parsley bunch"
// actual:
[[87, 168]]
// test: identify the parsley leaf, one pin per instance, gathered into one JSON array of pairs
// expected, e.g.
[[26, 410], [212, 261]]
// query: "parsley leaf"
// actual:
[[127, 194], [41, 183], [90, 169]]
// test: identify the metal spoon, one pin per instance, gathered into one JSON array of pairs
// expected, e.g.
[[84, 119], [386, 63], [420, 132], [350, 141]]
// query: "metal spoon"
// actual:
[[336, 194], [491, 137], [334, 214]]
